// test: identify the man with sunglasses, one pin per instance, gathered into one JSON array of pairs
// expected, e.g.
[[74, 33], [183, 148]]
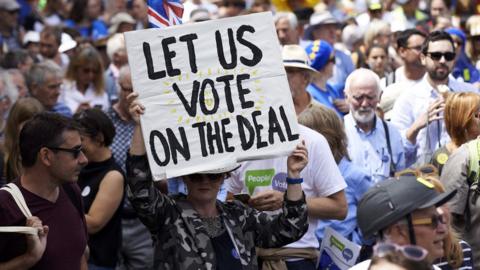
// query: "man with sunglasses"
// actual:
[[373, 143], [404, 212], [52, 158], [418, 112]]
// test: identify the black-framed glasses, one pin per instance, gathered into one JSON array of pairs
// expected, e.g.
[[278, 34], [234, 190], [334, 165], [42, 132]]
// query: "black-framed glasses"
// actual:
[[414, 253], [75, 151], [436, 56]]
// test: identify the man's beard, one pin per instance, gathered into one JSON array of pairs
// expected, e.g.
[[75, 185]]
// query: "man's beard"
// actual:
[[363, 116], [437, 75]]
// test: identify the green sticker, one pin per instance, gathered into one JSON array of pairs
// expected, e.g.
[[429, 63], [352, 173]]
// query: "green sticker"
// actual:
[[258, 178], [337, 243]]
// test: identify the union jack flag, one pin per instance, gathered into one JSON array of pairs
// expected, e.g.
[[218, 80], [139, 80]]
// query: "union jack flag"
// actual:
[[163, 13]]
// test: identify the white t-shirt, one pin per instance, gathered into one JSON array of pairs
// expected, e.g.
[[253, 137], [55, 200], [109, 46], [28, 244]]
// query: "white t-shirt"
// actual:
[[73, 98], [321, 178], [393, 91]]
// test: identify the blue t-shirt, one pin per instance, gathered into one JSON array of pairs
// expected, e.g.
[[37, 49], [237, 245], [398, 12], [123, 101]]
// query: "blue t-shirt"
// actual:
[[358, 182], [325, 97], [225, 252], [97, 30], [62, 109]]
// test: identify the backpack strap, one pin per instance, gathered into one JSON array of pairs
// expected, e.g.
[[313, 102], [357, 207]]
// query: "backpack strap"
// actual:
[[18, 198], [472, 178], [393, 167], [474, 165], [390, 78]]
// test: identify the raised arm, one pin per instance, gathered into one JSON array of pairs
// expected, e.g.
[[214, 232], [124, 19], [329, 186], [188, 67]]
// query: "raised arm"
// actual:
[[150, 204], [291, 224]]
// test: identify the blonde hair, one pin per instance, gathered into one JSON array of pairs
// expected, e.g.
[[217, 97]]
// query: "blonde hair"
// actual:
[[87, 56], [114, 44], [326, 122], [452, 249], [460, 109], [23, 110], [375, 28]]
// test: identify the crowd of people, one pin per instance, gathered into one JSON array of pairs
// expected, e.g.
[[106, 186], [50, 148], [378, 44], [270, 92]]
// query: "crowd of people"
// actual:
[[387, 97]]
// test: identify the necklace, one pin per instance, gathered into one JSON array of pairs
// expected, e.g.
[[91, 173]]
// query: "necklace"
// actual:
[[213, 225]]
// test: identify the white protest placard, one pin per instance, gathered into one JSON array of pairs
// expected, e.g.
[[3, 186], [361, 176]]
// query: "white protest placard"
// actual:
[[215, 93]]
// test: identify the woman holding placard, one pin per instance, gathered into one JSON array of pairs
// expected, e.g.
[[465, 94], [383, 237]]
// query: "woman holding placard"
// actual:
[[196, 231]]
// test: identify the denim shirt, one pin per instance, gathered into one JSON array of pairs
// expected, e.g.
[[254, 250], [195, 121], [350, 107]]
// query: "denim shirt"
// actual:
[[370, 151], [358, 182]]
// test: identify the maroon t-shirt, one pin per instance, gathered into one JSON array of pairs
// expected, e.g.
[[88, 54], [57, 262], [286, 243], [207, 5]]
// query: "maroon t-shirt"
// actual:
[[67, 236]]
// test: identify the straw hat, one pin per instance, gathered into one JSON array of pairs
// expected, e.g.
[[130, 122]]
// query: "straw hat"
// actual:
[[295, 56]]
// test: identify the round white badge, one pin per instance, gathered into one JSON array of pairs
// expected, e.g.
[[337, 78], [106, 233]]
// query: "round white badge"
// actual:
[[86, 191]]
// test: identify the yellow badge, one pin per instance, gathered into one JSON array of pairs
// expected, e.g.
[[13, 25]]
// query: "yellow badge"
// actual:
[[425, 182], [442, 158]]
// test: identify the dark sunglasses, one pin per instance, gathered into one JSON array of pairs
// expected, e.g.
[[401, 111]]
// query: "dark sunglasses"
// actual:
[[414, 253], [197, 177], [75, 151], [436, 56], [432, 221]]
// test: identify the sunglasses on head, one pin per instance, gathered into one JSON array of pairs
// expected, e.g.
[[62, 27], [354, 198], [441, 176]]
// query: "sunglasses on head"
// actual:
[[436, 56], [425, 170], [414, 253], [75, 151]]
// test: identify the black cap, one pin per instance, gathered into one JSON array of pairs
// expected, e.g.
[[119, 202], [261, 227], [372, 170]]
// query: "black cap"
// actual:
[[391, 200]]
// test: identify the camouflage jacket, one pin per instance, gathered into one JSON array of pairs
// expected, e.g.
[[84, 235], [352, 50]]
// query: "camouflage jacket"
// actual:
[[181, 241]]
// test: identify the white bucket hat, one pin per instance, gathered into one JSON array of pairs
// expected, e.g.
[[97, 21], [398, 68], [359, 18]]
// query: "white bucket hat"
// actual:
[[295, 56]]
